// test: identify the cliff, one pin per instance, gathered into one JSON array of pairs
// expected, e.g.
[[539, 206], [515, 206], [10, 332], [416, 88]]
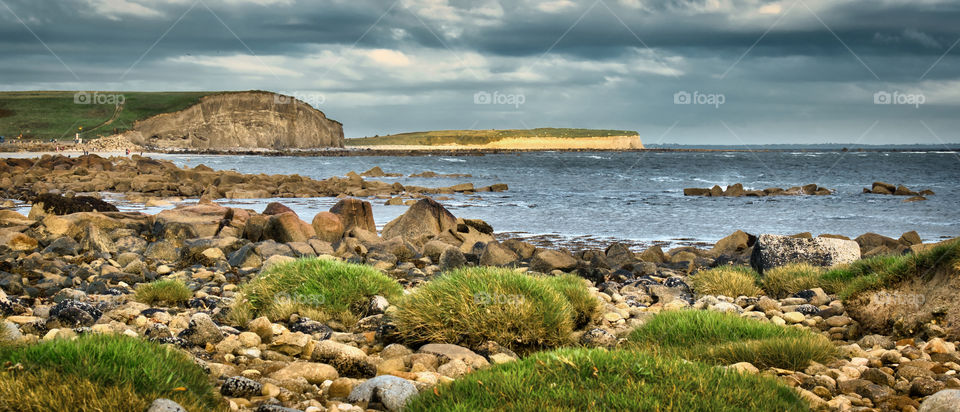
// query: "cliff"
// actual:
[[240, 120]]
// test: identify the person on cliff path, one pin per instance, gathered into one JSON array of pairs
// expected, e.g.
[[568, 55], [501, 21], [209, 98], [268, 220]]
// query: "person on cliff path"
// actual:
[[128, 152]]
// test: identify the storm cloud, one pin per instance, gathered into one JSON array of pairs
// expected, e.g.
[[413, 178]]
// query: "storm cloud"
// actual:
[[677, 71]]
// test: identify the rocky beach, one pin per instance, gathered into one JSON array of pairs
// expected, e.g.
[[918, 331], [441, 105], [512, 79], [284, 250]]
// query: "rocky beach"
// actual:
[[207, 281]]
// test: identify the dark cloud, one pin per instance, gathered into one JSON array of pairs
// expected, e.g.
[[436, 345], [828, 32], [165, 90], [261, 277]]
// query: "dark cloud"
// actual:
[[610, 64]]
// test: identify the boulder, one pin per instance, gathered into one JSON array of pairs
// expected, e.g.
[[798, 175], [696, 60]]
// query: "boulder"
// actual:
[[17, 241], [495, 254], [696, 191], [59, 205], [354, 213], [775, 250], [452, 258], [447, 352], [523, 249], [391, 391], [276, 208], [618, 255], [201, 330], [426, 217], [548, 260], [736, 242], [314, 373], [943, 401], [348, 360], [287, 227], [328, 227]]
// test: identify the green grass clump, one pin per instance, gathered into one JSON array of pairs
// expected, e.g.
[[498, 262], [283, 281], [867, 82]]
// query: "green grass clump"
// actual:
[[786, 280], [731, 281], [169, 291], [883, 271], [596, 379], [470, 306], [317, 288], [585, 305], [725, 339], [478, 137], [101, 372]]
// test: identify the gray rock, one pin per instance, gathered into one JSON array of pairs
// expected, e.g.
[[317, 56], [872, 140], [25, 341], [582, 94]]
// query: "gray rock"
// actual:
[[201, 330], [597, 337], [947, 400], [73, 313], [452, 258], [240, 387], [275, 408], [775, 250], [547, 260], [63, 246], [449, 352], [391, 391], [869, 341], [165, 405], [495, 254]]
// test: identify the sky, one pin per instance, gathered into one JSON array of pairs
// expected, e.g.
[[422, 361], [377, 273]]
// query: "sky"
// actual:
[[677, 71]]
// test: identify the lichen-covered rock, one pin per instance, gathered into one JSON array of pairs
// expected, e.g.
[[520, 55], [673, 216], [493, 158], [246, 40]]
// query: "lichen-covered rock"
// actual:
[[240, 387], [775, 250], [391, 391]]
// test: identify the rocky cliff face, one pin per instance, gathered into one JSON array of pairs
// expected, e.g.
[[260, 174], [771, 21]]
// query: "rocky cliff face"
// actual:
[[242, 120]]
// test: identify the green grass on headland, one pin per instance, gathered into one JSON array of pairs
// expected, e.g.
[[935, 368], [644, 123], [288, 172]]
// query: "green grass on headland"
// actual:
[[725, 339], [100, 373], [58, 114], [479, 137], [600, 380]]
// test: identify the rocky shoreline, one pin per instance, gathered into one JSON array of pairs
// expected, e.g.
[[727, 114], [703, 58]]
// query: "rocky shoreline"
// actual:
[[75, 273], [141, 178], [73, 267]]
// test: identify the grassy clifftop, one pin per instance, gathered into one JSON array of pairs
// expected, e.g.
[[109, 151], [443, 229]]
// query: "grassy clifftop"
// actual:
[[480, 137], [58, 114]]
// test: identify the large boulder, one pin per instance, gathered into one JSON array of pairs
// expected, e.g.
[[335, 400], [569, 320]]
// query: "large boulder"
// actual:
[[328, 227], [496, 254], [391, 391], [425, 218], [776, 250], [287, 227], [548, 260], [736, 242], [946, 400], [59, 205], [355, 213]]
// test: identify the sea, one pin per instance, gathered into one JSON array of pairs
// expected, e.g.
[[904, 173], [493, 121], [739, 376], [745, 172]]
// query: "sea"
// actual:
[[584, 199]]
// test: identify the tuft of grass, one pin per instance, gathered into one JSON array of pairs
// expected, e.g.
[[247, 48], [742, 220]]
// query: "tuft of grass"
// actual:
[[169, 291], [585, 305], [317, 288], [5, 333], [882, 271], [732, 281], [597, 379], [725, 339], [469, 306], [786, 280], [101, 372]]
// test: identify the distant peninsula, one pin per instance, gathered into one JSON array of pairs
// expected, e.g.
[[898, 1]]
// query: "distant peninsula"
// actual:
[[515, 139]]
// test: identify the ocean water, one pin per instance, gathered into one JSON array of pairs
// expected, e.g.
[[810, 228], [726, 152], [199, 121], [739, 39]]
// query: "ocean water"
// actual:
[[638, 196]]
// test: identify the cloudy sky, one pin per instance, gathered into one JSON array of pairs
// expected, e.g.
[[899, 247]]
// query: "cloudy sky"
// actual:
[[677, 71]]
